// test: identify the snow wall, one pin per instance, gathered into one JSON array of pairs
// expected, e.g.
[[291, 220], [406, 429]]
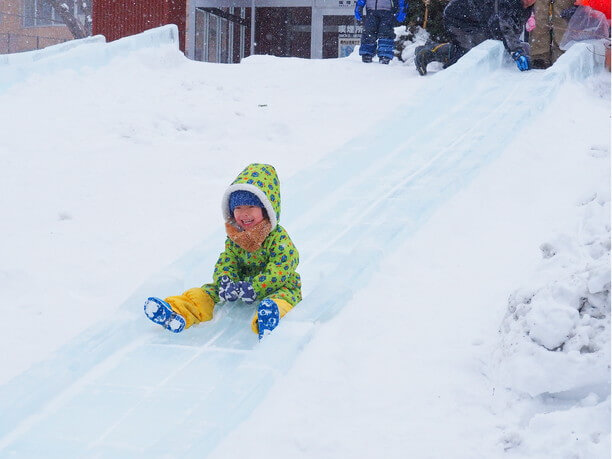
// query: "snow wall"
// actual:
[[76, 55]]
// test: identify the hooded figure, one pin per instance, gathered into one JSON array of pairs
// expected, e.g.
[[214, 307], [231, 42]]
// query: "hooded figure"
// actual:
[[258, 264]]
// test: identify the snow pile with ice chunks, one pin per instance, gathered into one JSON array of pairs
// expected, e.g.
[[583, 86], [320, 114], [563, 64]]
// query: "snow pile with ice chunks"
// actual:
[[552, 366], [556, 334], [407, 40]]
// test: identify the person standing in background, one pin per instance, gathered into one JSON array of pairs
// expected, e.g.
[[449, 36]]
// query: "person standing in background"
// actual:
[[378, 36], [550, 26]]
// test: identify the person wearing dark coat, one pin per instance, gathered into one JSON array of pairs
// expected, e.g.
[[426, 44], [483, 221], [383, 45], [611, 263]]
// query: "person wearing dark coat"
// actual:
[[470, 22]]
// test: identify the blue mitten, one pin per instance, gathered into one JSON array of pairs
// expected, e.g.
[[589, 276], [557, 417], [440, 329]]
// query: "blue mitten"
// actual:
[[228, 290], [246, 292], [522, 61], [359, 9], [401, 11]]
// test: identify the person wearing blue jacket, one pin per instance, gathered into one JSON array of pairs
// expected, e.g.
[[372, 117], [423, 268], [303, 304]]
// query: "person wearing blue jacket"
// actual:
[[378, 35], [470, 22]]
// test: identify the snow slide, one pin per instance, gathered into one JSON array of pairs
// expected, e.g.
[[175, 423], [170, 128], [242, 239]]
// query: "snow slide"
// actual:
[[126, 388]]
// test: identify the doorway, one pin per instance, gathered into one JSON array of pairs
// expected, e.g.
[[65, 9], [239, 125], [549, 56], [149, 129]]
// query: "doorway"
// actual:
[[221, 34]]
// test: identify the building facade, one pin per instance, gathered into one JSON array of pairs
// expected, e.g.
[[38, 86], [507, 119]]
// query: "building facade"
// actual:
[[32, 24], [225, 31], [120, 18]]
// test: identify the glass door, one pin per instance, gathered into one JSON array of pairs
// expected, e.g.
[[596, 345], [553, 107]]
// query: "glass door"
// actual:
[[220, 34], [341, 34]]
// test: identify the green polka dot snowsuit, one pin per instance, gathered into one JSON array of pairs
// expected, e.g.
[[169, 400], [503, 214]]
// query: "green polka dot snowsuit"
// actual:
[[271, 268]]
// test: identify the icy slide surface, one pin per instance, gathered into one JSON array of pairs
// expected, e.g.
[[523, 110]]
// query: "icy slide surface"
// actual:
[[126, 387]]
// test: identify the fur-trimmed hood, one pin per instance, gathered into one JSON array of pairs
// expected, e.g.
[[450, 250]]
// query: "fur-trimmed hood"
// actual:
[[262, 181]]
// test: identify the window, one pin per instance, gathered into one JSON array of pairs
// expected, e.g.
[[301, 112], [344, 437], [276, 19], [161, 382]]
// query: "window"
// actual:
[[40, 13], [220, 34]]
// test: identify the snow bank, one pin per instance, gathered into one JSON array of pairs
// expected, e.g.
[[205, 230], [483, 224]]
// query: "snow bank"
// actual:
[[555, 336], [407, 40], [552, 364], [579, 431], [78, 54]]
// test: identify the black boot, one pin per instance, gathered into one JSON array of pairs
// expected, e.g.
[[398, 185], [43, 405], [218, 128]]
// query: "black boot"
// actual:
[[431, 52], [539, 63], [384, 60], [367, 58]]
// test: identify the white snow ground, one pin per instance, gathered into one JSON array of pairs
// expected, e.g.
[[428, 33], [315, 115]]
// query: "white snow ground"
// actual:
[[454, 234]]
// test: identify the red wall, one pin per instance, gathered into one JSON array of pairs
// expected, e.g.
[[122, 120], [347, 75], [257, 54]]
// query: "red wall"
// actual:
[[119, 18]]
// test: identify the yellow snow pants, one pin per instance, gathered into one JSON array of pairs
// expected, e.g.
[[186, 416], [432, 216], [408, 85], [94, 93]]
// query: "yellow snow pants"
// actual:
[[195, 306]]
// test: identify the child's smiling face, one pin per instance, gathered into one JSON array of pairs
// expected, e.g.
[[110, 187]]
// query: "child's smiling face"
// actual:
[[248, 216]]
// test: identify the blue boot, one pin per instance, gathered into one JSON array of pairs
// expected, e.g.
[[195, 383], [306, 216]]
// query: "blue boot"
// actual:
[[267, 317], [161, 313]]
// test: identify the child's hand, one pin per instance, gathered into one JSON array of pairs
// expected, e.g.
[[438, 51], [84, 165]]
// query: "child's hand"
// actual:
[[246, 292], [402, 11], [522, 61], [359, 9], [228, 290]]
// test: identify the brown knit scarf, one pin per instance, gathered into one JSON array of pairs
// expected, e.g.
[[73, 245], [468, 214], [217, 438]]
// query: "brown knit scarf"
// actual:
[[251, 239]]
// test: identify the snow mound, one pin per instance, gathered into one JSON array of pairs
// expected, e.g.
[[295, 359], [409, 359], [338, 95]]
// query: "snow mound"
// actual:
[[553, 358], [90, 52], [407, 39], [558, 328]]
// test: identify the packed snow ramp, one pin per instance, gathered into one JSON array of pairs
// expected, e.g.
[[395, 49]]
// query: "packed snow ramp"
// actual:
[[128, 388]]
